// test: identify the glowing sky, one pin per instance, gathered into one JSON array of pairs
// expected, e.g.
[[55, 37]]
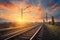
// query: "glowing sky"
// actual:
[[33, 10]]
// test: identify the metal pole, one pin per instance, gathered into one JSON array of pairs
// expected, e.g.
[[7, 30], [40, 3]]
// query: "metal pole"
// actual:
[[22, 13], [46, 17]]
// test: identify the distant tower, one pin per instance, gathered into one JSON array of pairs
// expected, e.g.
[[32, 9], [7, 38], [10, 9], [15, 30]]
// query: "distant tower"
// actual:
[[46, 18]]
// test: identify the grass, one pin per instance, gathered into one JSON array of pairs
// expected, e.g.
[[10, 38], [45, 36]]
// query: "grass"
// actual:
[[55, 29]]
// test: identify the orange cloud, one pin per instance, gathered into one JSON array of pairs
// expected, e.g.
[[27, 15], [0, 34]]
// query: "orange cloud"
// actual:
[[40, 11], [26, 8], [55, 7], [8, 7]]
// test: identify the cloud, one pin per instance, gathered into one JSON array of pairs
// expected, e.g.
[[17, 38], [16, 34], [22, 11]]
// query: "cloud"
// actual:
[[3, 20], [55, 7], [31, 6], [5, 2]]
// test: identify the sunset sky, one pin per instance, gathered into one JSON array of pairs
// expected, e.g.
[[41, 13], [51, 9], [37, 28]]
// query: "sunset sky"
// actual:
[[33, 10]]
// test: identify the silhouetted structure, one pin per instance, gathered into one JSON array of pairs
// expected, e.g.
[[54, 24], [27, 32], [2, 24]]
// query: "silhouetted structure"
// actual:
[[22, 13], [53, 22], [46, 18]]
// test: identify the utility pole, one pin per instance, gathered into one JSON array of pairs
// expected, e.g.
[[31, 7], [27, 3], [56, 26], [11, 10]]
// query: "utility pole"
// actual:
[[22, 13]]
